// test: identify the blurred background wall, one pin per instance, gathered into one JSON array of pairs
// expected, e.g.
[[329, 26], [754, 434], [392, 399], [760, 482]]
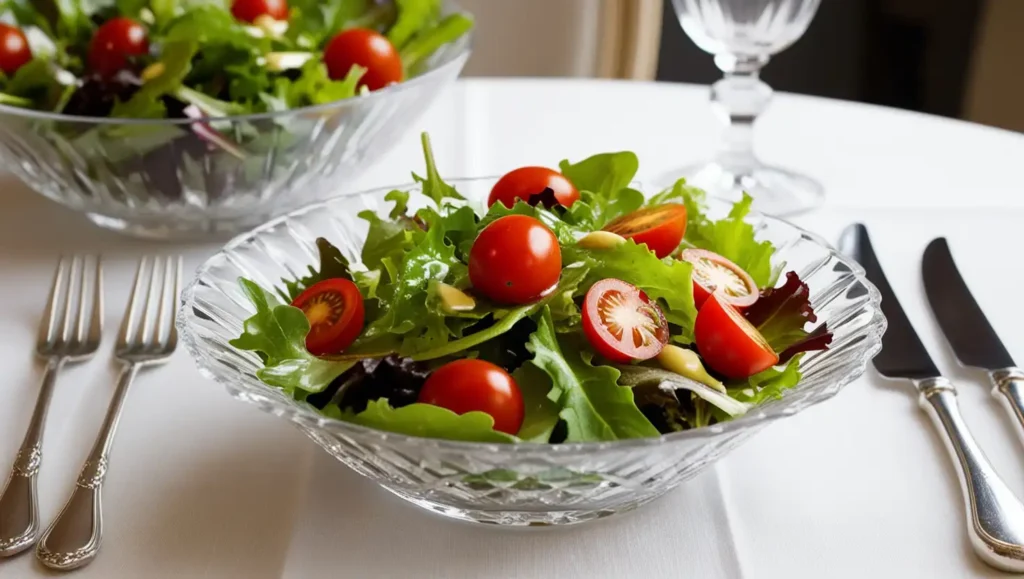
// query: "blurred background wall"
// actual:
[[957, 58]]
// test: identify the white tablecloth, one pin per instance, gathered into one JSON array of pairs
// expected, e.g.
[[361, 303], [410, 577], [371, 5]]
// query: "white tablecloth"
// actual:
[[204, 486]]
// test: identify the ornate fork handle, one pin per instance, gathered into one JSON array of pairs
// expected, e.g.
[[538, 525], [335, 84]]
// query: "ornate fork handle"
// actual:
[[19, 503], [75, 536]]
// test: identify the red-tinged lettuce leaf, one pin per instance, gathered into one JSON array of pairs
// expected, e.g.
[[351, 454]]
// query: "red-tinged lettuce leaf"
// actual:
[[781, 314], [819, 339]]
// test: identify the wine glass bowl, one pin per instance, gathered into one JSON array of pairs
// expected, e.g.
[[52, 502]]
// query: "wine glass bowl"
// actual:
[[743, 35]]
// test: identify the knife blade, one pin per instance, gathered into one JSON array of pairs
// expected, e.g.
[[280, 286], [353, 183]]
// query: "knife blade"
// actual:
[[963, 322], [902, 355], [968, 331], [995, 517]]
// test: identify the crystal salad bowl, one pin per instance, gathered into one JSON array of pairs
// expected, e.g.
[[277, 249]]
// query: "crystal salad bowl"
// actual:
[[159, 179], [506, 484]]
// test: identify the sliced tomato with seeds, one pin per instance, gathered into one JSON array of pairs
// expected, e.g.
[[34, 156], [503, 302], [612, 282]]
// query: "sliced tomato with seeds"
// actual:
[[714, 273], [728, 343], [334, 308], [621, 323], [660, 228]]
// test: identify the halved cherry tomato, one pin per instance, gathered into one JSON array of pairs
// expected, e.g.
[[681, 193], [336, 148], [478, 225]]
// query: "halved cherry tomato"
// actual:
[[621, 323], [466, 385], [334, 308], [250, 10], [114, 42], [14, 49], [714, 273], [728, 343], [660, 228], [370, 50], [515, 260], [529, 183]]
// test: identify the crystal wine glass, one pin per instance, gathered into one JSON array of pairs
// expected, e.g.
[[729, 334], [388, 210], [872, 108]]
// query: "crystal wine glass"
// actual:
[[742, 35]]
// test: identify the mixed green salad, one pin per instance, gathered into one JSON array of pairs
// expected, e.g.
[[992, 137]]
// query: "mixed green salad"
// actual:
[[211, 58], [569, 309]]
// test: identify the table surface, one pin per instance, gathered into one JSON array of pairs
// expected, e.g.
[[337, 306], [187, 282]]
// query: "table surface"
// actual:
[[203, 486]]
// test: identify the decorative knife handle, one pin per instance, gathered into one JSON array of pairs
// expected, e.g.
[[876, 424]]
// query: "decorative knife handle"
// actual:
[[1008, 388], [995, 517]]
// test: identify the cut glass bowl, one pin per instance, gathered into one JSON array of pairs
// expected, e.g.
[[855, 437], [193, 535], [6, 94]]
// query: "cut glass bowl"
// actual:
[[160, 179], [522, 484]]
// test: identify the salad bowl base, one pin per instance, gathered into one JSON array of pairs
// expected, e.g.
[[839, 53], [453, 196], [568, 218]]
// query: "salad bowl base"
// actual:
[[162, 228], [521, 519]]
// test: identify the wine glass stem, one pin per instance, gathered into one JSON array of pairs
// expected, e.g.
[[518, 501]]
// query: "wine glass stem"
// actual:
[[739, 98]]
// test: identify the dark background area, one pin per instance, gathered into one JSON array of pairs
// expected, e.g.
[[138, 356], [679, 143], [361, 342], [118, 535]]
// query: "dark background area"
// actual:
[[910, 54]]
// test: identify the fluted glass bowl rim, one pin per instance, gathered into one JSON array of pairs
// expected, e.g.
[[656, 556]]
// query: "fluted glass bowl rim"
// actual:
[[308, 417], [452, 60]]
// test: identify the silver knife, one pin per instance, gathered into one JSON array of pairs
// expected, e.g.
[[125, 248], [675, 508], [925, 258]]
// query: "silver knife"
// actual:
[[995, 517], [967, 330]]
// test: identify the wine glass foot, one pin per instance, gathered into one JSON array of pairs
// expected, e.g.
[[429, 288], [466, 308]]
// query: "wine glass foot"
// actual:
[[776, 191]]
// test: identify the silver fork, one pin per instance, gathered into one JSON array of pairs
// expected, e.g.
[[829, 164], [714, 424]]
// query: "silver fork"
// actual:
[[75, 536], [59, 343]]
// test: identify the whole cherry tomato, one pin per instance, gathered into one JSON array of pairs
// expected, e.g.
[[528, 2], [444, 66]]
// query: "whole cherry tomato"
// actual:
[[515, 260], [370, 50], [475, 385], [114, 42]]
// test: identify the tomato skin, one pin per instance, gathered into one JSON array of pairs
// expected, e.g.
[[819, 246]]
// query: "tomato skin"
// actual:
[[334, 308], [728, 343], [734, 284], [116, 40], [608, 306], [250, 10], [466, 385], [368, 49], [526, 182], [660, 228], [14, 49], [515, 260]]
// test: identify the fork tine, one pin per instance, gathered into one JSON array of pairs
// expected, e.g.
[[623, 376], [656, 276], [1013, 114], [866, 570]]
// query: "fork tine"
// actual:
[[161, 306], [65, 328], [172, 339], [147, 317], [128, 323], [96, 322], [83, 296], [46, 326]]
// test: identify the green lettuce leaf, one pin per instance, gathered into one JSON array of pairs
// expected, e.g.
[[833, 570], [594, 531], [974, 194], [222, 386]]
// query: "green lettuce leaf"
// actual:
[[426, 421], [315, 87], [639, 376], [430, 260], [668, 281], [767, 385], [565, 233], [733, 238], [541, 412], [413, 16], [571, 278], [433, 186], [603, 181], [278, 333], [416, 52], [593, 405], [34, 82], [145, 103]]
